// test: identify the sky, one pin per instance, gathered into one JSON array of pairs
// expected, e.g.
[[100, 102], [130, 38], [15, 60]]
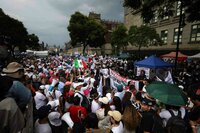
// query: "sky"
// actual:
[[48, 19]]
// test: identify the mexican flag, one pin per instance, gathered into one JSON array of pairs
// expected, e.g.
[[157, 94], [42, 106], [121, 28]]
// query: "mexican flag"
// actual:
[[80, 64], [76, 63]]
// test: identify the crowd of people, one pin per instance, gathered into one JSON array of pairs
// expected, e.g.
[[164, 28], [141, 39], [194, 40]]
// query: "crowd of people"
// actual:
[[63, 94]]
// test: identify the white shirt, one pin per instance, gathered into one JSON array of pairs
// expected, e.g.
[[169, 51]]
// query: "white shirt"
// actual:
[[165, 114], [118, 129], [94, 106], [40, 100], [120, 94], [42, 128], [56, 96]]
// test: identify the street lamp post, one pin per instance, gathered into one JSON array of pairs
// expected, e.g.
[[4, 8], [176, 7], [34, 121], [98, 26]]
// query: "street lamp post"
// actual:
[[179, 32]]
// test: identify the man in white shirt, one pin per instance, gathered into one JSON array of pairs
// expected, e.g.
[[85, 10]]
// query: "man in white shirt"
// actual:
[[40, 98]]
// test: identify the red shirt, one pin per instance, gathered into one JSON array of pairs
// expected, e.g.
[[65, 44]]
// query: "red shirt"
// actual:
[[74, 112]]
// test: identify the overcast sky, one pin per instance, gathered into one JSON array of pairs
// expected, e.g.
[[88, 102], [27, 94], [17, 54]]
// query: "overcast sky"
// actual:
[[48, 19]]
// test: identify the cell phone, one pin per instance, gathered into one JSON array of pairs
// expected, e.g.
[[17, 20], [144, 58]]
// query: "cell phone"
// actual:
[[79, 113]]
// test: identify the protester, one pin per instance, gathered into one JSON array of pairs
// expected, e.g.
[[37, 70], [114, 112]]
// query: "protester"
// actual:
[[116, 124], [42, 123], [18, 91], [131, 119]]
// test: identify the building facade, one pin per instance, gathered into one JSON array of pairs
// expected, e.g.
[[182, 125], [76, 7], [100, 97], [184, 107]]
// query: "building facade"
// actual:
[[167, 28]]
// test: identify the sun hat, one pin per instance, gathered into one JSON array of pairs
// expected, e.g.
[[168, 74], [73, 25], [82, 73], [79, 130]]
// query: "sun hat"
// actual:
[[54, 118], [116, 115], [104, 100], [13, 67]]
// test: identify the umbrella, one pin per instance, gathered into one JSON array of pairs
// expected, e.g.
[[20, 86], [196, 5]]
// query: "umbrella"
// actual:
[[167, 93]]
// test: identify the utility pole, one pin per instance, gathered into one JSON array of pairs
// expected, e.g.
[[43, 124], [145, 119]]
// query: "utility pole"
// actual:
[[179, 32]]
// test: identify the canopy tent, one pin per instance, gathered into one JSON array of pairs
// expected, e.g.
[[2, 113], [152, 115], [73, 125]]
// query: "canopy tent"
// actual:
[[195, 56], [181, 57], [153, 62], [154, 66]]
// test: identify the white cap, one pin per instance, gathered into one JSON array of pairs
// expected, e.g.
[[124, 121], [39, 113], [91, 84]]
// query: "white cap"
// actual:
[[42, 87]]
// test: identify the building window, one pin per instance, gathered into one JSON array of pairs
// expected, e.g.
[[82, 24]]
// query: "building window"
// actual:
[[176, 35], [155, 18], [165, 16], [178, 11], [164, 34], [195, 33]]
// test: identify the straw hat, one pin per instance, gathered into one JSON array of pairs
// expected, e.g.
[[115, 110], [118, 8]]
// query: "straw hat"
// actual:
[[104, 100], [13, 67], [116, 115]]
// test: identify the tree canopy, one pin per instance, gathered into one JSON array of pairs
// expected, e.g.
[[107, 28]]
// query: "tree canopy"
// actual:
[[143, 36], [33, 41], [12, 33], [119, 38], [165, 7], [85, 31]]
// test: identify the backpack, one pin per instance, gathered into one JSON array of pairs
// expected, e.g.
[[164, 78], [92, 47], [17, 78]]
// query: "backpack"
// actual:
[[158, 126], [85, 103], [176, 123], [6, 84]]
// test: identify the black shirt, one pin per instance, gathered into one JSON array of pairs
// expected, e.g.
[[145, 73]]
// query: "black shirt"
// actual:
[[146, 121]]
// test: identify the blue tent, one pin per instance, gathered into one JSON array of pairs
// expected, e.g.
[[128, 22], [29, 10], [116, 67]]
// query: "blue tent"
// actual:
[[153, 62]]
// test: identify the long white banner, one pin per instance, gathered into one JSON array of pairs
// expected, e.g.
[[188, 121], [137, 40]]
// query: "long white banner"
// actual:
[[124, 81]]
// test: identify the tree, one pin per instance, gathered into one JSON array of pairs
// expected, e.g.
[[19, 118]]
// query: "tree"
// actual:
[[12, 33], [119, 38], [33, 41], [143, 36], [85, 31], [165, 7]]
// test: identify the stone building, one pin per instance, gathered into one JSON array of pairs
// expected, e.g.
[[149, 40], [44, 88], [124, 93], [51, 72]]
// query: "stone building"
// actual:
[[167, 28]]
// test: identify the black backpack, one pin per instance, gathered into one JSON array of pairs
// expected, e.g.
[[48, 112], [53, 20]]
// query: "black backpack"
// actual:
[[86, 103], [6, 84], [158, 126], [176, 123]]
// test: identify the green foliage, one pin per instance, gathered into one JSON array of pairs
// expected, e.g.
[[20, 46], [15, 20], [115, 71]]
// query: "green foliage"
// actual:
[[143, 36], [33, 42], [147, 7], [12, 33], [119, 37], [86, 31]]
